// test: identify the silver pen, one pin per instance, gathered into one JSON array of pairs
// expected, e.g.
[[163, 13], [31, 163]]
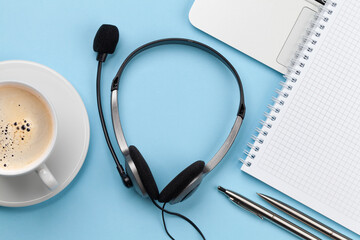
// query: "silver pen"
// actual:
[[305, 218], [267, 214]]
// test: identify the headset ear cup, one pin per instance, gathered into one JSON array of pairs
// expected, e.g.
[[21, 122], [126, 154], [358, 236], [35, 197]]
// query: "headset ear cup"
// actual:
[[144, 172], [181, 181]]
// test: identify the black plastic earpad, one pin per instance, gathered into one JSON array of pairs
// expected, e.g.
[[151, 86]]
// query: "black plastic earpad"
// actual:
[[181, 181], [144, 172]]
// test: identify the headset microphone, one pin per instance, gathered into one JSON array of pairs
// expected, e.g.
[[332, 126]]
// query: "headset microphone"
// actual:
[[105, 43]]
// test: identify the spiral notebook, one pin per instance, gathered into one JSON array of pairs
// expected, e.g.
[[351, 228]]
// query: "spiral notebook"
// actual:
[[309, 145]]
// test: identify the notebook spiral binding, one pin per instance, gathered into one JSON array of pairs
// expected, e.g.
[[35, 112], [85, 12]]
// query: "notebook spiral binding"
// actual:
[[294, 70]]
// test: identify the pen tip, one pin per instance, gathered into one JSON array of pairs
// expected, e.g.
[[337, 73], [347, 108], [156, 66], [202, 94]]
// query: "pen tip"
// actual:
[[221, 189], [260, 195]]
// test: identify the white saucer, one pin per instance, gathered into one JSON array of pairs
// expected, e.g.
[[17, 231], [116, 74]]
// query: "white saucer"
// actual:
[[73, 134]]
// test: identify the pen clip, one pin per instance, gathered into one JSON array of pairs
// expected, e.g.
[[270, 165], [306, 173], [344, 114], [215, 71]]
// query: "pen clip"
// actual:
[[246, 208]]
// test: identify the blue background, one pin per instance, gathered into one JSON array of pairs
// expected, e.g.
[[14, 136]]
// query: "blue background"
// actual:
[[177, 105]]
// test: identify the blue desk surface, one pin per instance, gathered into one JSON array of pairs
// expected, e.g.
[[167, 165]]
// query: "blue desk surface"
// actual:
[[177, 105]]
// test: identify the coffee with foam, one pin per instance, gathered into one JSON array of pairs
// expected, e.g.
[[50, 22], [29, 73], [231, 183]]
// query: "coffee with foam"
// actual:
[[26, 126]]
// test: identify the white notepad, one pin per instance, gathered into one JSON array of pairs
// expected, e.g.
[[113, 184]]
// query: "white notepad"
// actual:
[[309, 144]]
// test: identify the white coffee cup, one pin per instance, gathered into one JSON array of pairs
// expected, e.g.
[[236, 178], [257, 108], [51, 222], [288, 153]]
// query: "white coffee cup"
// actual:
[[38, 165]]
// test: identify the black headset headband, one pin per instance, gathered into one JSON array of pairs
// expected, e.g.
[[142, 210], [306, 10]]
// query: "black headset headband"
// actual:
[[187, 42], [216, 159]]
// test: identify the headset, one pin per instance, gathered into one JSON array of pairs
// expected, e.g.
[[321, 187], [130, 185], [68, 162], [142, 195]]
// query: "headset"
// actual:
[[138, 173]]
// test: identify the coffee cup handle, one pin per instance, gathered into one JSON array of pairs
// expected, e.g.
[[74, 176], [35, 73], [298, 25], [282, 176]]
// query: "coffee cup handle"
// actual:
[[47, 177]]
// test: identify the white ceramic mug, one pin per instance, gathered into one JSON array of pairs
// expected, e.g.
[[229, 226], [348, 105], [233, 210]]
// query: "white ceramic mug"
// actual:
[[38, 165]]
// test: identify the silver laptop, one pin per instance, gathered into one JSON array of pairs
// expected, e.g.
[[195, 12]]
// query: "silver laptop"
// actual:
[[267, 30]]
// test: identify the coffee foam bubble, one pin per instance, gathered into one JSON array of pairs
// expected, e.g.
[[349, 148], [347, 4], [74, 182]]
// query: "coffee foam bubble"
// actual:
[[26, 127]]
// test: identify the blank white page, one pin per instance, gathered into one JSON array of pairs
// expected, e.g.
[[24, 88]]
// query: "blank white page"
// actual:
[[312, 150]]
